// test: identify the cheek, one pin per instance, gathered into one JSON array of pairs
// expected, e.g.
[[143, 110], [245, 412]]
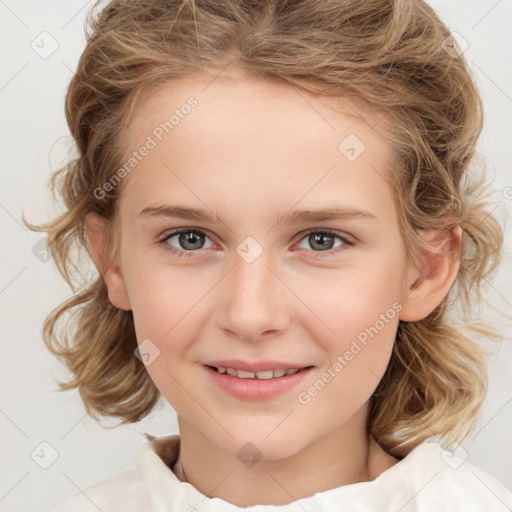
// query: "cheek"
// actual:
[[347, 302], [164, 298], [356, 355], [355, 322], [168, 306], [166, 309]]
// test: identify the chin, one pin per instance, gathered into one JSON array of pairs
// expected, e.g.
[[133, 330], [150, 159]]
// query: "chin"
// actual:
[[251, 444]]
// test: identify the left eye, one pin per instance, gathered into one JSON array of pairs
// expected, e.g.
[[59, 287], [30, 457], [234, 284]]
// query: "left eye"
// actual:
[[323, 240]]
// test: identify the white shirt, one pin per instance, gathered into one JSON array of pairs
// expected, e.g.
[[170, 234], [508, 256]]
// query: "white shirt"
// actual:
[[426, 480]]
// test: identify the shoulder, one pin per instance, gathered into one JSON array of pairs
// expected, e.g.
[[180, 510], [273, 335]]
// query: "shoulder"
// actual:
[[123, 491], [450, 482]]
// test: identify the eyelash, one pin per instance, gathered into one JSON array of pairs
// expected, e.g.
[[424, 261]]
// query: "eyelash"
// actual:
[[317, 254]]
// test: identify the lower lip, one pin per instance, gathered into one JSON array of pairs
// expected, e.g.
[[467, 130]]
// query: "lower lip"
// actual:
[[256, 389]]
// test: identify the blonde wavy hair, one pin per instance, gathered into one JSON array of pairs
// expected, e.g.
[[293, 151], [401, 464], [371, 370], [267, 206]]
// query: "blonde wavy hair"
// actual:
[[395, 57]]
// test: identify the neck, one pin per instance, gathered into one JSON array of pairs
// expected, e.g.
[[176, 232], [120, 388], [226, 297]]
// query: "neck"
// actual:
[[340, 458]]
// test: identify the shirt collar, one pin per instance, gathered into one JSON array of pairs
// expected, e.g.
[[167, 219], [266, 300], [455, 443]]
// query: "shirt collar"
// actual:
[[167, 492]]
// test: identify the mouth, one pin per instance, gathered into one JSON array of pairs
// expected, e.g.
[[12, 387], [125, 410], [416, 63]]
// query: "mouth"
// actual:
[[257, 375], [256, 381]]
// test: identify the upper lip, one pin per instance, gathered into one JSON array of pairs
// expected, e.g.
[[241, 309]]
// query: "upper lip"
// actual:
[[255, 366]]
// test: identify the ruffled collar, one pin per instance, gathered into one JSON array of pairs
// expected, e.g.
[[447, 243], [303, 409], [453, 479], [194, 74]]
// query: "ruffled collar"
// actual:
[[167, 492]]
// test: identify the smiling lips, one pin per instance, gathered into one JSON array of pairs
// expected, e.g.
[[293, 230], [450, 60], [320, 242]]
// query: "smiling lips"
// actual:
[[257, 381], [262, 370], [263, 374]]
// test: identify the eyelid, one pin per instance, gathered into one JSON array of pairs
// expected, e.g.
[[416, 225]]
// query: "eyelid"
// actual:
[[333, 232]]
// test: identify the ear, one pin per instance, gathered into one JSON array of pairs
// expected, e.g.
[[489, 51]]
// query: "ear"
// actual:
[[429, 284], [96, 230]]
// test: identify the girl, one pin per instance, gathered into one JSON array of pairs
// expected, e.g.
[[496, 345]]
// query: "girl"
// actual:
[[276, 195]]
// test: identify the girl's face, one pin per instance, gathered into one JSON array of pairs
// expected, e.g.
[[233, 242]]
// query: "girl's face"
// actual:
[[249, 279]]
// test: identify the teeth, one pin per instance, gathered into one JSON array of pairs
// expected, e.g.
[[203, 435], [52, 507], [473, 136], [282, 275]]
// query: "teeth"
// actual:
[[266, 374], [262, 375], [244, 375]]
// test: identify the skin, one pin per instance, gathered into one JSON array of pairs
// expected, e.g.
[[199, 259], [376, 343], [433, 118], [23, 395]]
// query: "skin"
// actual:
[[252, 151]]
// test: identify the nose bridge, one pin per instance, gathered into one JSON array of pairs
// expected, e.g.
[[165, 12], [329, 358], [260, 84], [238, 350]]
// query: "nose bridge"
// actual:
[[255, 298]]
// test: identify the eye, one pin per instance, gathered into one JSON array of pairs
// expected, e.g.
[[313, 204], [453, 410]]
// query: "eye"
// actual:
[[322, 241], [188, 240]]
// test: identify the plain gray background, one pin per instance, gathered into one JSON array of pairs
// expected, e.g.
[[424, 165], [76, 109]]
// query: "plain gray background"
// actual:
[[32, 87]]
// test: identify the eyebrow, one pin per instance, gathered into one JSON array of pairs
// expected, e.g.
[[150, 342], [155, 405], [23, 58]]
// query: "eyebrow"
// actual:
[[324, 214], [296, 216]]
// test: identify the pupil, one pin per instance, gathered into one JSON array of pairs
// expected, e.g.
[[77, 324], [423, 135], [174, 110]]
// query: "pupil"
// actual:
[[319, 238], [190, 237]]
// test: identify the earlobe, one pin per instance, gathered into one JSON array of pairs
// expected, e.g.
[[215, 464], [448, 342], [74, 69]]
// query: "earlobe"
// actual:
[[428, 285], [96, 228]]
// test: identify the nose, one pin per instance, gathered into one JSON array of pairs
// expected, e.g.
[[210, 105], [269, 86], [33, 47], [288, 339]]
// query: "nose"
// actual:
[[256, 300]]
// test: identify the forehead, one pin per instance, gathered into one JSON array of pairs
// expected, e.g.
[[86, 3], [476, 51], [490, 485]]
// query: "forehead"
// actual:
[[231, 98], [214, 136]]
